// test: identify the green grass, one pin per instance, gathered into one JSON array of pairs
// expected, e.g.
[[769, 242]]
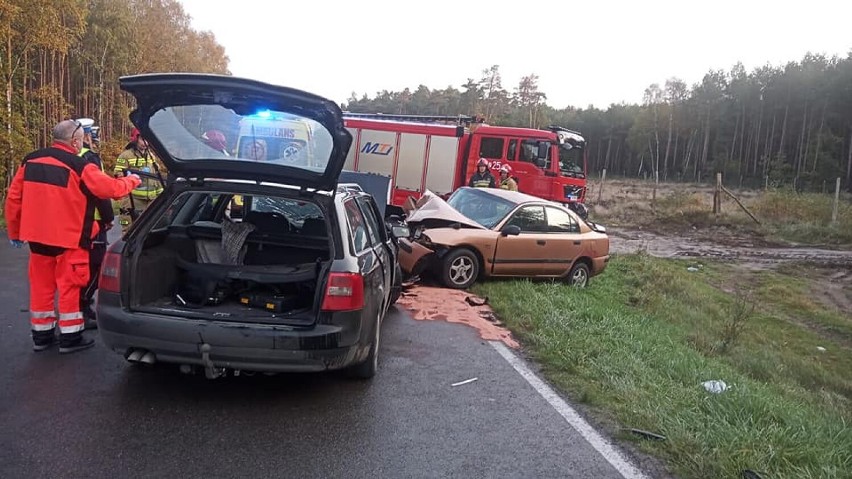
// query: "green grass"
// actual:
[[637, 343]]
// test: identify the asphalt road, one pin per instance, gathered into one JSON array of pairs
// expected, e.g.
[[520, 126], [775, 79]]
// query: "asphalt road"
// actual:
[[91, 414]]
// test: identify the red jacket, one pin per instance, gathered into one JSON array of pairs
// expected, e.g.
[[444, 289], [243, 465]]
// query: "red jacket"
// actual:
[[52, 198]]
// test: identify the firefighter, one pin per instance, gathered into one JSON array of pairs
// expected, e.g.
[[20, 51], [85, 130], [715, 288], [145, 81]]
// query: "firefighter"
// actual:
[[50, 205], [216, 139], [137, 156], [506, 181], [103, 216], [482, 178]]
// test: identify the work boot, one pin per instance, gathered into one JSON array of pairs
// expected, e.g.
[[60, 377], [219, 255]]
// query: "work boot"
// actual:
[[43, 340], [73, 342]]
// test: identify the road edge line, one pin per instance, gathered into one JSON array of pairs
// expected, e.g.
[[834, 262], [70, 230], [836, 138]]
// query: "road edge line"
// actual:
[[592, 436]]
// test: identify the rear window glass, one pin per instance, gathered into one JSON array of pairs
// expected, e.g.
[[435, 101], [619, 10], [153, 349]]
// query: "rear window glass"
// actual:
[[270, 214], [214, 132]]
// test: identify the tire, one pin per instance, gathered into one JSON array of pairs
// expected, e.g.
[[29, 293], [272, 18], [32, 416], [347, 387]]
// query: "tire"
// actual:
[[579, 275], [368, 368], [460, 268]]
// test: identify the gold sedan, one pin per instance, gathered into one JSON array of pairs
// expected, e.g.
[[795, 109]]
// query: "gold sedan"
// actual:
[[492, 232]]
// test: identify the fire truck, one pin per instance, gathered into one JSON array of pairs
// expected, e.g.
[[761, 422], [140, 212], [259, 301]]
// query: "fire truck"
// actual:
[[439, 154]]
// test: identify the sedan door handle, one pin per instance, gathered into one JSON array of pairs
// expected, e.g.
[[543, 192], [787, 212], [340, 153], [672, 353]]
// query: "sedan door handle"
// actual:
[[577, 242], [541, 242]]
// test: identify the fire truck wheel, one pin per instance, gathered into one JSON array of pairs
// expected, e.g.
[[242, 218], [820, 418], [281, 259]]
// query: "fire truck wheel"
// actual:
[[460, 268]]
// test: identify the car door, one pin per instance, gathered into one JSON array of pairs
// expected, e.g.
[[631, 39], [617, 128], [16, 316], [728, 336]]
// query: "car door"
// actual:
[[381, 244], [564, 243], [369, 262], [525, 254]]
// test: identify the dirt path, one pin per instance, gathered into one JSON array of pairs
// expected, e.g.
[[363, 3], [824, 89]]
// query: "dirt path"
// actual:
[[749, 251]]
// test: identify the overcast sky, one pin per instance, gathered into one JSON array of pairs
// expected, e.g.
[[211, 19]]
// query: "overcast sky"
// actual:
[[595, 52]]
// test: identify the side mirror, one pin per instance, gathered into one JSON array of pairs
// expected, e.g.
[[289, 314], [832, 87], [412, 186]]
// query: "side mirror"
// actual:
[[510, 230]]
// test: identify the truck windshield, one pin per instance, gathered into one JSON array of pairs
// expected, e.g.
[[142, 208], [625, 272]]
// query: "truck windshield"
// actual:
[[571, 161]]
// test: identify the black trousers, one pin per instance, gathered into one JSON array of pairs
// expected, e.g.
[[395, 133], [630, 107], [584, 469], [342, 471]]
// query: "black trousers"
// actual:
[[96, 258]]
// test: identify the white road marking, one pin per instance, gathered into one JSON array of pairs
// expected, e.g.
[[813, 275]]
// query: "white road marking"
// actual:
[[467, 381], [610, 453]]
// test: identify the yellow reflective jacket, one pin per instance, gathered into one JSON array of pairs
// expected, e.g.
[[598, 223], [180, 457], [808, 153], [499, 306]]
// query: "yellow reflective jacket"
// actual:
[[133, 159]]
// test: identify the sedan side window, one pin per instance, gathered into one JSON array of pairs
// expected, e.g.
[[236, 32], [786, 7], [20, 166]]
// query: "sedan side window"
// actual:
[[530, 219], [559, 221]]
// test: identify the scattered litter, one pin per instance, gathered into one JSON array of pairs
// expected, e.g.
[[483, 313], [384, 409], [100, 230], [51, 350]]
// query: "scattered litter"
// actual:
[[749, 474], [692, 269], [647, 434], [715, 386], [821, 349], [489, 316], [471, 301], [462, 383]]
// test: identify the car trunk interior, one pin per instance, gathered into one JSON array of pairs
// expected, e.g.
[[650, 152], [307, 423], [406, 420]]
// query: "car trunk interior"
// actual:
[[267, 267]]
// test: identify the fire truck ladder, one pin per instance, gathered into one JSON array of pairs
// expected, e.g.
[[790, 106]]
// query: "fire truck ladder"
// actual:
[[461, 120]]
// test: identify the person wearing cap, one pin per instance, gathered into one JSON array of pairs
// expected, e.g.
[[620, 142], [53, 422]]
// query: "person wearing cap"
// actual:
[[103, 216], [482, 178], [137, 156]]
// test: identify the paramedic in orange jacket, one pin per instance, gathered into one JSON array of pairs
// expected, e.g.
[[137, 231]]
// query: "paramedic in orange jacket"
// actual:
[[50, 204]]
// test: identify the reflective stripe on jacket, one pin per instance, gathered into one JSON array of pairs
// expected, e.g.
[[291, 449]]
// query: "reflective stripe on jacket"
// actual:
[[136, 160]]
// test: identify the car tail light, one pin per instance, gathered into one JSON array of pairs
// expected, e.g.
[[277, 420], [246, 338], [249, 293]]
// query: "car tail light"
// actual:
[[110, 279], [344, 292]]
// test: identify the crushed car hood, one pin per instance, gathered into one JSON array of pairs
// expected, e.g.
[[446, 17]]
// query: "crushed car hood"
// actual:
[[430, 207]]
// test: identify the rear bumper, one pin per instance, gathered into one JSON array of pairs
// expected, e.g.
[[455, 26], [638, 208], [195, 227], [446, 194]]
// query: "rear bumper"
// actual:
[[234, 345], [599, 265]]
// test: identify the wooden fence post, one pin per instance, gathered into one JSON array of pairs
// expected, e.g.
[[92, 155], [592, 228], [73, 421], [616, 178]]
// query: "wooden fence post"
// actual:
[[836, 201], [717, 195], [601, 188]]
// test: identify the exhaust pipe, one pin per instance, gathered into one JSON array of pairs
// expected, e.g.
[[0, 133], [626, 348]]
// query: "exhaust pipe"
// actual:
[[141, 356], [148, 358], [135, 355]]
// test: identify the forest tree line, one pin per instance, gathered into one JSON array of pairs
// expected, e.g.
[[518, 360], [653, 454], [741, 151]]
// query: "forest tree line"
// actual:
[[787, 125], [62, 59]]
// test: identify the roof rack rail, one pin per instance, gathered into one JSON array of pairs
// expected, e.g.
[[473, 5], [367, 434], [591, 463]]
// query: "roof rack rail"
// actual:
[[454, 119]]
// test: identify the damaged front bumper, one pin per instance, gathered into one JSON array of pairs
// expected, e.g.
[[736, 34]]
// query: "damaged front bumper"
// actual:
[[414, 258]]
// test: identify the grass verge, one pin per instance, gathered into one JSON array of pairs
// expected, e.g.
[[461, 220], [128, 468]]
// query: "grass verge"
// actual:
[[639, 342]]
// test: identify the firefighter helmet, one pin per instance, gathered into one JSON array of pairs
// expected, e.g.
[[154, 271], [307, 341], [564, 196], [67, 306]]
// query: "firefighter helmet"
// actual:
[[483, 162], [216, 139], [506, 169]]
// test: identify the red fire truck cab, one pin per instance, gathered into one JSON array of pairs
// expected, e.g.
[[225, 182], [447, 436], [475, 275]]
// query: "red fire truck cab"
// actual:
[[439, 153]]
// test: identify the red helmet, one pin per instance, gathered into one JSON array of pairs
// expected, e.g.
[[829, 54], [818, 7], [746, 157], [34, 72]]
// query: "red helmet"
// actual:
[[483, 162], [506, 169], [216, 139], [134, 135]]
